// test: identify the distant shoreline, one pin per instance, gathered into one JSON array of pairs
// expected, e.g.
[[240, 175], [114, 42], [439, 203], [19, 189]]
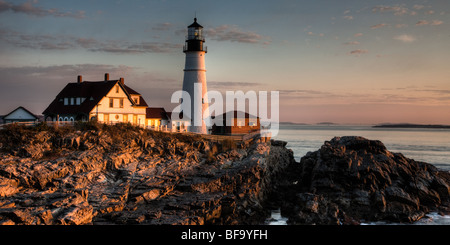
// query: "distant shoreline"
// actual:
[[408, 125]]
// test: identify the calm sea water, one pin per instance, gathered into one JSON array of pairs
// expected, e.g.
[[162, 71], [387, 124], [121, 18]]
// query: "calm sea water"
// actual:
[[427, 145]]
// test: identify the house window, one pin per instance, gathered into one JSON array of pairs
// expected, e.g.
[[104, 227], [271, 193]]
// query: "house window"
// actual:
[[66, 101], [111, 103], [136, 100], [72, 101], [78, 101], [121, 103], [117, 89]]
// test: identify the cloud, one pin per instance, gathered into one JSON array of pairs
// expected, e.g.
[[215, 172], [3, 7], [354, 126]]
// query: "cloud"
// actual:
[[134, 48], [348, 17], [378, 26], [162, 26], [405, 38], [418, 6], [358, 34], [358, 52], [29, 8], [397, 10], [61, 42], [234, 34], [351, 43], [432, 23], [401, 25], [43, 83]]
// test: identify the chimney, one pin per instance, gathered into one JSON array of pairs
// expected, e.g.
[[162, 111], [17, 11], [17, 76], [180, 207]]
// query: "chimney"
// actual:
[[106, 77], [80, 79], [122, 81]]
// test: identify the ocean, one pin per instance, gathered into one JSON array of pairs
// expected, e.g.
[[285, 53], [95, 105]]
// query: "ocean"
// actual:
[[427, 145]]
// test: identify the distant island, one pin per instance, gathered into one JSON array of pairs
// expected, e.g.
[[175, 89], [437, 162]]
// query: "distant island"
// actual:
[[293, 123], [411, 125], [327, 123]]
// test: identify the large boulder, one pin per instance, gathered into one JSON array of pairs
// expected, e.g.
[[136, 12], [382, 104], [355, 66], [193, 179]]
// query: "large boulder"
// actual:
[[350, 179]]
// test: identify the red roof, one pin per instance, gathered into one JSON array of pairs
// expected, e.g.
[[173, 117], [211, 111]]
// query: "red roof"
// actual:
[[156, 112]]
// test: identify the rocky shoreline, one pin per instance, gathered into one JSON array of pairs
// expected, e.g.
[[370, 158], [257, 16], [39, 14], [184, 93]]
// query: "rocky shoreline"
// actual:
[[350, 180], [97, 174], [125, 175]]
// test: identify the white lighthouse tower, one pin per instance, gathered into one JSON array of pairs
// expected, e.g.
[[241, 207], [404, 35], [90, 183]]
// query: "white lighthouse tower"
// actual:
[[194, 82]]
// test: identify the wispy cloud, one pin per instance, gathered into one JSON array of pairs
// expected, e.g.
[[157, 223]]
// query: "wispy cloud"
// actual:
[[378, 26], [358, 52], [162, 26], [351, 43], [29, 8], [61, 42], [235, 34], [398, 10], [405, 38], [431, 23], [418, 6], [348, 17]]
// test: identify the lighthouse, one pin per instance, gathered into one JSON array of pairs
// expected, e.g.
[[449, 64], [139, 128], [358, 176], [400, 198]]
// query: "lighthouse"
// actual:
[[194, 81]]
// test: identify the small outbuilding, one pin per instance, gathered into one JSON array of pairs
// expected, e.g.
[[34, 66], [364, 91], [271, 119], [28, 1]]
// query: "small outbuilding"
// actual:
[[20, 114], [235, 123]]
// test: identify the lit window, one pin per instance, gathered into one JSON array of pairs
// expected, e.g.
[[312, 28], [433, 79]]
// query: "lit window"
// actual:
[[72, 101], [78, 101], [66, 101]]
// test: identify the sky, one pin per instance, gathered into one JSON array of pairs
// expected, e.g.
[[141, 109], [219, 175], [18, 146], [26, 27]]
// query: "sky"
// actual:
[[341, 61]]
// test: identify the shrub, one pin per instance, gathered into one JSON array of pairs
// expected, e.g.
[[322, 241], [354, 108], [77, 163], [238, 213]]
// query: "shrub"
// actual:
[[84, 126]]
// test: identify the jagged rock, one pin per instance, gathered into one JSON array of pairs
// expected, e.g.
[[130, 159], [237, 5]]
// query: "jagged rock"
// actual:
[[8, 187], [114, 175], [361, 180]]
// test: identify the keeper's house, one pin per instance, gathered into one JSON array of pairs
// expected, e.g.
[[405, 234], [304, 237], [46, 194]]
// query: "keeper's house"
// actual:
[[108, 101]]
